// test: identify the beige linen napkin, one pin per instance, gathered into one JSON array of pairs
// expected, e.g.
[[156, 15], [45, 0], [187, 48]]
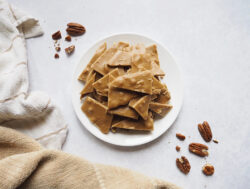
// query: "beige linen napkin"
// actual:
[[31, 113], [24, 164]]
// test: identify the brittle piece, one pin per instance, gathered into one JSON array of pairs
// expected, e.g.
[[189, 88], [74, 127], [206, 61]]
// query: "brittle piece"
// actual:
[[118, 97], [142, 62], [88, 88], [164, 97], [161, 109], [139, 82], [143, 125], [157, 86], [141, 105], [101, 64], [97, 113], [121, 58], [125, 111], [98, 53], [101, 85], [152, 51]]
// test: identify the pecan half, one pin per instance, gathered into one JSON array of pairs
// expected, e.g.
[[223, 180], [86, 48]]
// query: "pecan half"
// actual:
[[205, 131], [183, 164], [180, 136], [75, 29], [208, 169], [57, 35], [198, 149], [70, 49]]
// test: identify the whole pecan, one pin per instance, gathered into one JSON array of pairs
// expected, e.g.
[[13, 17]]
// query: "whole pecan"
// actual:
[[75, 29], [198, 149], [208, 169], [205, 131], [57, 35], [183, 164]]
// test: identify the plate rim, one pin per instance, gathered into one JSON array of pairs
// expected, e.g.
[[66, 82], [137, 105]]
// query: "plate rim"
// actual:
[[100, 137]]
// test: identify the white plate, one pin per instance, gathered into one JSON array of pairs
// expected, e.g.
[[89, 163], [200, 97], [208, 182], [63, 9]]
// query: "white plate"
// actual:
[[172, 79]]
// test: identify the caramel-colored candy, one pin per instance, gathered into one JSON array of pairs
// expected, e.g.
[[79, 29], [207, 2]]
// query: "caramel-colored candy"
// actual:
[[121, 58], [139, 82], [141, 105], [98, 53], [143, 125], [101, 64], [164, 97], [125, 111], [157, 86], [122, 46], [156, 70], [142, 62], [101, 85], [152, 51], [159, 108], [97, 113], [118, 97], [88, 88]]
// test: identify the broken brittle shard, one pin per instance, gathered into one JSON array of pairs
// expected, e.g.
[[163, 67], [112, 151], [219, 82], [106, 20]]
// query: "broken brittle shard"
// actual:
[[139, 82], [98, 53], [98, 114]]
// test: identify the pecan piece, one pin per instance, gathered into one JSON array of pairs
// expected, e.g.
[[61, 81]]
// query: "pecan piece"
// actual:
[[205, 131], [183, 164], [75, 29], [198, 149], [70, 49], [215, 141], [57, 35], [208, 169], [68, 38], [56, 55], [178, 148], [180, 136]]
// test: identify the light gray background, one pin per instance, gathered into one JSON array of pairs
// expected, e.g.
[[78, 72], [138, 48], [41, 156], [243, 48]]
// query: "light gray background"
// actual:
[[210, 40]]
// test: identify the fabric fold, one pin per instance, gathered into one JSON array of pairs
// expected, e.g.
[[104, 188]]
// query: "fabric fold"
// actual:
[[25, 164], [31, 113]]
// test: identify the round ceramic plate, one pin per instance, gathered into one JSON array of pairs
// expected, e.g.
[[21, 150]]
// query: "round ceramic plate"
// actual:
[[172, 79]]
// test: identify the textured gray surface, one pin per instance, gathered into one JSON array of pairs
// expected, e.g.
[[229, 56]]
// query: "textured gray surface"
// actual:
[[210, 40]]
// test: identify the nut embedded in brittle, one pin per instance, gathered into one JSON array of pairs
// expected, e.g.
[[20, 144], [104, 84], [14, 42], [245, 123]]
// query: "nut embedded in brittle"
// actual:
[[183, 164], [205, 131], [70, 49], [198, 149], [180, 136], [208, 169], [57, 35]]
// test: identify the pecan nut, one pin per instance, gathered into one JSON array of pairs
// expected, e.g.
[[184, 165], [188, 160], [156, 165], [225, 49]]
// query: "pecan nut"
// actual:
[[57, 35], [180, 136], [183, 164], [178, 148], [198, 149], [205, 131], [208, 169], [75, 29], [70, 49]]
